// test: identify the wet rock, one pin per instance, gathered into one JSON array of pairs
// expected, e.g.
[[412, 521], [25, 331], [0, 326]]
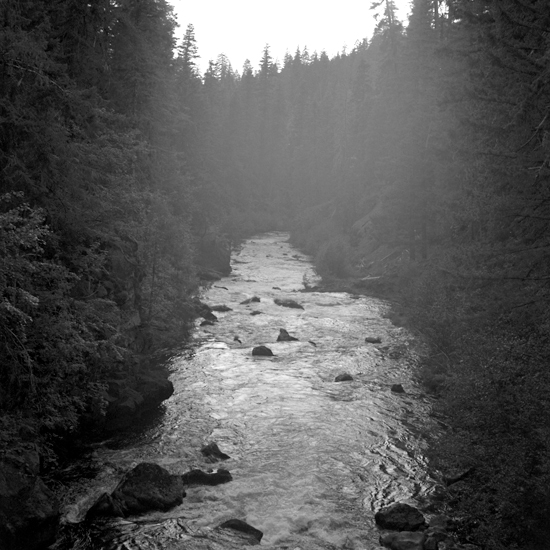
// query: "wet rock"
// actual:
[[373, 340], [207, 323], [312, 343], [344, 377], [147, 487], [400, 517], [221, 308], [29, 512], [213, 453], [133, 394], [236, 339], [404, 540], [209, 316], [262, 351], [198, 477], [284, 336], [288, 303], [243, 527], [250, 300], [397, 388], [255, 312]]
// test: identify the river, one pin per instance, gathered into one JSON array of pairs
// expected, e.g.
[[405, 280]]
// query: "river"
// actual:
[[312, 459]]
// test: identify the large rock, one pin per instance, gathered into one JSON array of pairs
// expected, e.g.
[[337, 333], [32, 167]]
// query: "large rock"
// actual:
[[262, 351], [214, 254], [29, 512], [147, 487], [403, 540], [400, 517], [132, 395]]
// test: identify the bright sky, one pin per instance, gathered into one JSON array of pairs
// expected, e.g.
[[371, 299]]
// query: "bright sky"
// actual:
[[241, 28]]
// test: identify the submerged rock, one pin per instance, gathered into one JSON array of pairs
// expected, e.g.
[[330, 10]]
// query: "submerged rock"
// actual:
[[373, 340], [213, 453], [243, 527], [344, 377], [207, 323], [288, 303], [400, 517], [262, 351], [198, 477], [397, 388], [404, 540], [284, 336], [147, 487], [221, 308], [255, 312], [250, 300]]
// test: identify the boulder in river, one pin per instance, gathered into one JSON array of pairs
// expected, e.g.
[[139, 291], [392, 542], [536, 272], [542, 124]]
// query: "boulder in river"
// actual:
[[250, 300], [262, 351], [373, 340], [146, 487], [242, 527], [284, 336], [212, 452], [209, 316], [400, 517], [255, 312], [288, 303], [207, 323], [28, 509], [397, 388], [344, 377], [198, 477], [222, 307], [404, 540]]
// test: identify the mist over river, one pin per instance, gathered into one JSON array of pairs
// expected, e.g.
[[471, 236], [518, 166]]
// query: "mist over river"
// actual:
[[311, 459]]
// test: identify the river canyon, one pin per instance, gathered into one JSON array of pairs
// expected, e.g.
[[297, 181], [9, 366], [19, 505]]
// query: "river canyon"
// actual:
[[311, 459]]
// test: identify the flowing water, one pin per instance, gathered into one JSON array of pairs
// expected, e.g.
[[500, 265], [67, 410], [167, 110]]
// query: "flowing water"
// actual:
[[312, 459]]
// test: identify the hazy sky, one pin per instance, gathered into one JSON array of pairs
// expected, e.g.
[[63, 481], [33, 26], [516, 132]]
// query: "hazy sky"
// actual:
[[241, 28]]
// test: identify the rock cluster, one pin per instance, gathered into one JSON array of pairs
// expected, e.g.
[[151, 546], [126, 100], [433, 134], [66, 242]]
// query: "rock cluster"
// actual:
[[148, 487]]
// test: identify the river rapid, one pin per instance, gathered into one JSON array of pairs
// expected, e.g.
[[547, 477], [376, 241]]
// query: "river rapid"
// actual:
[[312, 459]]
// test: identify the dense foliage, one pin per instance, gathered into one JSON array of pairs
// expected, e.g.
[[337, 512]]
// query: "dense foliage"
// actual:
[[97, 202]]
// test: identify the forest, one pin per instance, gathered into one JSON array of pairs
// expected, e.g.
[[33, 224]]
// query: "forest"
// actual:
[[414, 167]]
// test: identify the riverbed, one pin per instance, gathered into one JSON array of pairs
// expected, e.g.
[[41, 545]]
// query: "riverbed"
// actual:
[[311, 459]]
